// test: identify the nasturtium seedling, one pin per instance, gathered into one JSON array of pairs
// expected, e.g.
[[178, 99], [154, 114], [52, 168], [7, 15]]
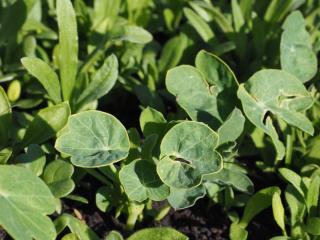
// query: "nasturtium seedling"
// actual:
[[275, 92], [187, 153], [141, 181], [296, 52], [206, 92], [93, 139], [25, 201]]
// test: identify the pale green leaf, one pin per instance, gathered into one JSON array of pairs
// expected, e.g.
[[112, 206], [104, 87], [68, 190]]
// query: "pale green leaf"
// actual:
[[185, 198], [24, 203], [199, 25], [114, 235], [68, 46], [187, 153], [235, 179], [46, 124], [93, 139], [103, 81], [45, 75], [160, 233], [297, 55], [207, 92], [278, 211], [140, 181], [34, 159], [57, 175], [313, 226], [278, 93]]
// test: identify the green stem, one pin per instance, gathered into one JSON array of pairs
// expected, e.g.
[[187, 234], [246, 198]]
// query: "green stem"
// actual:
[[289, 147], [99, 176]]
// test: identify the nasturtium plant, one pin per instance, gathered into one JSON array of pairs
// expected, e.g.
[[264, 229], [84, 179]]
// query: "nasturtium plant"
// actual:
[[158, 233], [93, 139], [206, 92], [274, 93], [140, 181], [187, 154], [25, 202]]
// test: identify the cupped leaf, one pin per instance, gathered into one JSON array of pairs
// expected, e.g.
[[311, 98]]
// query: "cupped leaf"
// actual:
[[57, 176], [24, 203], [207, 92], [275, 92], [46, 124], [278, 211], [34, 159], [102, 82], [187, 153], [114, 235], [93, 139], [152, 122], [296, 52], [180, 198], [68, 46], [141, 181], [163, 233], [293, 178], [46, 76], [5, 118]]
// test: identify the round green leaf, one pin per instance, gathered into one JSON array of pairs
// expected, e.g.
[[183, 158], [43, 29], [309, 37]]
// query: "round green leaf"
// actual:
[[187, 153], [24, 203], [93, 139], [141, 181], [58, 175]]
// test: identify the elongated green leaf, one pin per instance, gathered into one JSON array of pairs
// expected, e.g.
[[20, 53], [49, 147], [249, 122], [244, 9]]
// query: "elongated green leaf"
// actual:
[[5, 118], [102, 82], [257, 203], [140, 181], [292, 178], [279, 93], [172, 52], [207, 92], [68, 46], [132, 34], [34, 159], [278, 211], [46, 76], [187, 153], [76, 226], [46, 124], [24, 203], [297, 55], [296, 205], [313, 196], [57, 176], [162, 233], [237, 15], [93, 139], [184, 198], [199, 25]]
